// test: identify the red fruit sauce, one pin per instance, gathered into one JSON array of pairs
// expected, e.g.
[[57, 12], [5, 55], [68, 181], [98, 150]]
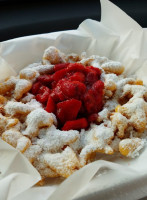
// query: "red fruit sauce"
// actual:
[[74, 93]]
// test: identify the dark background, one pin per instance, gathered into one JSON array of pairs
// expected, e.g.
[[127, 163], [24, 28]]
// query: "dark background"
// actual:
[[21, 18]]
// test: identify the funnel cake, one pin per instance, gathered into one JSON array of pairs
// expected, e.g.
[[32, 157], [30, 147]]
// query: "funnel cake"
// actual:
[[63, 111]]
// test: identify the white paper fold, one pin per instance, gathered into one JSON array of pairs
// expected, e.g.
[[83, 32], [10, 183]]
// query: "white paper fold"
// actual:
[[117, 37], [16, 173]]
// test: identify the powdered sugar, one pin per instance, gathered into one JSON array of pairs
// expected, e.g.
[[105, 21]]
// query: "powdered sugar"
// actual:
[[22, 86], [94, 60], [8, 85], [23, 143], [44, 69], [103, 133], [133, 146], [34, 104], [37, 119], [32, 152], [138, 91], [113, 64], [115, 144], [52, 140], [13, 108], [53, 56], [43, 168], [27, 98], [103, 115], [29, 73], [64, 163], [33, 65], [11, 136], [110, 105]]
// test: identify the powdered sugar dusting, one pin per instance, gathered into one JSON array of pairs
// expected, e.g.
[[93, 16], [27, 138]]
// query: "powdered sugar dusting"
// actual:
[[53, 140], [33, 65], [133, 146], [44, 69], [12, 108], [22, 87], [37, 119], [23, 143], [103, 115], [64, 163], [32, 152], [27, 98], [34, 104], [53, 56], [120, 127]]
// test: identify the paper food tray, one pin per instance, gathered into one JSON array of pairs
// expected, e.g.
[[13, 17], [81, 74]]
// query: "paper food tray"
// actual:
[[117, 37]]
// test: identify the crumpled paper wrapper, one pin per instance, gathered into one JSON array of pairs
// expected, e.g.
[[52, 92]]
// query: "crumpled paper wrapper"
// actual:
[[117, 37]]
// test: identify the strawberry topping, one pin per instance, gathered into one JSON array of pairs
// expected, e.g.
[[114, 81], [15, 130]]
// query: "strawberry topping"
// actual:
[[75, 124], [74, 93], [68, 110]]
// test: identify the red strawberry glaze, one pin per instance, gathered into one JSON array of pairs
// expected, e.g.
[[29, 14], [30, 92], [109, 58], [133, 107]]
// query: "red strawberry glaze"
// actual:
[[74, 93]]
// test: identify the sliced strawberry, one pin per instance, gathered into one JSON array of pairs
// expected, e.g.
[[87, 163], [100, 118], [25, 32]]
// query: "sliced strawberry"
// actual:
[[53, 84], [91, 77], [82, 111], [43, 89], [55, 97], [42, 98], [75, 124], [45, 79], [60, 66], [59, 74], [78, 76], [51, 106], [98, 87], [93, 118], [90, 102], [73, 89], [99, 102], [35, 88], [57, 94], [97, 70], [43, 94], [76, 67], [68, 110]]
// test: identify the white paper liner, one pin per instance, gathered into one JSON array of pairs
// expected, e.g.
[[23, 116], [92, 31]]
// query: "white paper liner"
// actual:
[[117, 37], [16, 173]]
